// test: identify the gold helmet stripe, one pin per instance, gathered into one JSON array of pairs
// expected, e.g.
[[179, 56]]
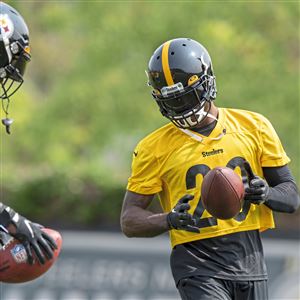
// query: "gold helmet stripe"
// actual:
[[165, 63]]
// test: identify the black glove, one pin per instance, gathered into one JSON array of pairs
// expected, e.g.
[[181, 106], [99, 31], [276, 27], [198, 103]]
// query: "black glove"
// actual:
[[34, 239], [257, 191], [31, 235], [179, 218]]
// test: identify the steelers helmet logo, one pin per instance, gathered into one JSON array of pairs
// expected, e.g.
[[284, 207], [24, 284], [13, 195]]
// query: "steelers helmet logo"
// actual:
[[6, 27]]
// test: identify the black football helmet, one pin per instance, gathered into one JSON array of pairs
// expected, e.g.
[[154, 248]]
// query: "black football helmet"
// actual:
[[181, 74], [14, 52]]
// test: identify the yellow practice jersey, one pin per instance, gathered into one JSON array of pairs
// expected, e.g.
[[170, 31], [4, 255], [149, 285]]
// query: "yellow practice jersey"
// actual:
[[172, 162]]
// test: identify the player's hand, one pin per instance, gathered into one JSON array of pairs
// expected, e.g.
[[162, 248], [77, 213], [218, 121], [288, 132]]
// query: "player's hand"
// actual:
[[179, 218], [257, 191], [33, 238]]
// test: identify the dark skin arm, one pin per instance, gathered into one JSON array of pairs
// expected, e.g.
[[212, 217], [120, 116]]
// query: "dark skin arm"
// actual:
[[137, 221]]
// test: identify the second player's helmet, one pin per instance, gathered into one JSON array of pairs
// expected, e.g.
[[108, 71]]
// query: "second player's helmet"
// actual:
[[14, 50], [181, 74]]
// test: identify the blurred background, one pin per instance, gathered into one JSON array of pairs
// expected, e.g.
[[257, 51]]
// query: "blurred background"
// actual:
[[85, 104]]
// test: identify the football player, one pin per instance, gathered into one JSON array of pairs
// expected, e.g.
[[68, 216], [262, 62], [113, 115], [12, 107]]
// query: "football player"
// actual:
[[211, 258], [14, 56]]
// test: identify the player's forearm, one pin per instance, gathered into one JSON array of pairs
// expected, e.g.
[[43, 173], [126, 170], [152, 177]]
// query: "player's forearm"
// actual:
[[142, 223], [284, 197]]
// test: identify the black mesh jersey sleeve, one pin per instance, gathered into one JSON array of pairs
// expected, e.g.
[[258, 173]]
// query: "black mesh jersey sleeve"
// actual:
[[284, 195]]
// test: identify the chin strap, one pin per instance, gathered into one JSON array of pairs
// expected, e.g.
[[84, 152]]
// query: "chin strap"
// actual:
[[202, 139]]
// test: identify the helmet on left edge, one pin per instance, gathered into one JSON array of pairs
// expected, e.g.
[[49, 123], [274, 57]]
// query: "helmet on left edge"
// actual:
[[14, 50]]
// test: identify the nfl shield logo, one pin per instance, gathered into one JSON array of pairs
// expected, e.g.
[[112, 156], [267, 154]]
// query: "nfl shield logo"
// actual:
[[19, 253]]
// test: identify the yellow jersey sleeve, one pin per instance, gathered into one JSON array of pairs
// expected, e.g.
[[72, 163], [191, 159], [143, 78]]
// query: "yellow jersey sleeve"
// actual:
[[144, 177], [272, 152]]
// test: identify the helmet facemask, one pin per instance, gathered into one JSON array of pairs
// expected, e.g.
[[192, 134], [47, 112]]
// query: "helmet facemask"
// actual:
[[185, 107], [11, 76]]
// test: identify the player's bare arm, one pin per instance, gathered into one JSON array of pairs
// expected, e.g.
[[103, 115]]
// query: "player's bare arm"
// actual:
[[137, 221]]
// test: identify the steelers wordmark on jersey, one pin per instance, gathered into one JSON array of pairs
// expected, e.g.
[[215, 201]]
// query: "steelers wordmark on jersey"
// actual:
[[173, 163]]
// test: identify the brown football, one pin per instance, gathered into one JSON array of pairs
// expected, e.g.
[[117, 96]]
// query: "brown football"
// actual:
[[13, 260], [222, 193]]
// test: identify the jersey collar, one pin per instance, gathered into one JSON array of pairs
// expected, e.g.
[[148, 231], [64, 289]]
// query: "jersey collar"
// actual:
[[217, 133]]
